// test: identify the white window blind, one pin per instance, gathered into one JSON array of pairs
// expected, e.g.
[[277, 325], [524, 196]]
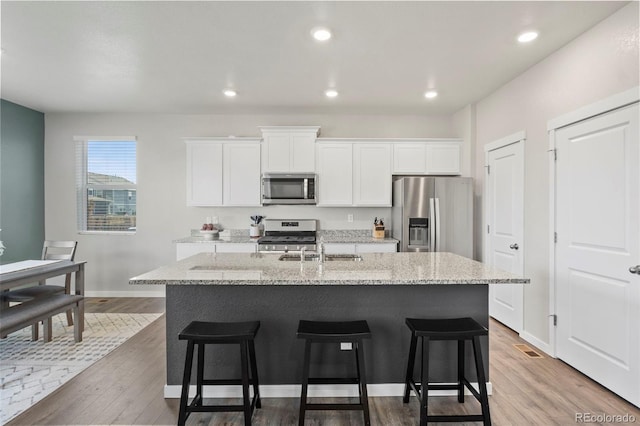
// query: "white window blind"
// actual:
[[106, 176]]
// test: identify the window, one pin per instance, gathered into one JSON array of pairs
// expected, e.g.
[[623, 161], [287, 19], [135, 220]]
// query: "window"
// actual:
[[106, 184]]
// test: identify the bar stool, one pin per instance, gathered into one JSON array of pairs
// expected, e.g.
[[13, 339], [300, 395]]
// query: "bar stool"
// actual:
[[460, 329], [205, 333], [334, 332]]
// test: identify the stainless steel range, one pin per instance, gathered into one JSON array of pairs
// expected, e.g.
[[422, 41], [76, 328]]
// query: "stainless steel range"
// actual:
[[285, 235]]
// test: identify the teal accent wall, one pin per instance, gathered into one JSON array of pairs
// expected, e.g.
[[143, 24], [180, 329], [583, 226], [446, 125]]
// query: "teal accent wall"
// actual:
[[21, 182]]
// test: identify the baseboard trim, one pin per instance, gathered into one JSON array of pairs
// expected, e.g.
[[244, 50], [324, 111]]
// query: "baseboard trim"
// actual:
[[530, 338], [154, 293], [293, 391]]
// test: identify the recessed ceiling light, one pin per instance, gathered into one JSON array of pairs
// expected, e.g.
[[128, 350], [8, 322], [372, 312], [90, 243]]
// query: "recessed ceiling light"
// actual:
[[229, 93], [430, 94], [331, 93], [321, 34], [527, 37]]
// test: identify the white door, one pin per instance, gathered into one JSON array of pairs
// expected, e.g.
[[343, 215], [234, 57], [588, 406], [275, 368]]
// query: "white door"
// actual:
[[597, 216], [505, 222]]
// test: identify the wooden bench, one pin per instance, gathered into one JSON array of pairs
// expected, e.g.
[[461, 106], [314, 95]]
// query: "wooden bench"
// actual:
[[42, 309]]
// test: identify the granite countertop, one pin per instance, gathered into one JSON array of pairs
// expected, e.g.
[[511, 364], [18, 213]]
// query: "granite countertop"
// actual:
[[374, 269], [330, 236]]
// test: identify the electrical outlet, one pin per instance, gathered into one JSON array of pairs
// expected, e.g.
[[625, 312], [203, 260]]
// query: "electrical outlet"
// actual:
[[349, 218], [346, 346]]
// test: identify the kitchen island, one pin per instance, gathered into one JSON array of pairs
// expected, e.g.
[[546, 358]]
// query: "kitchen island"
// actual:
[[383, 288]]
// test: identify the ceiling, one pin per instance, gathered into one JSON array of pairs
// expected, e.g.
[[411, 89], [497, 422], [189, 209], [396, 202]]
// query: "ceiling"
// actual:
[[177, 57]]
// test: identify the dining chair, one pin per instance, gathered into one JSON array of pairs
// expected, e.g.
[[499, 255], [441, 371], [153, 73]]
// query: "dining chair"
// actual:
[[51, 250]]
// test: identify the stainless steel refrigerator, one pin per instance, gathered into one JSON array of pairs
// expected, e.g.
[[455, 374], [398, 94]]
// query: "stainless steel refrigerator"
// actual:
[[433, 214]]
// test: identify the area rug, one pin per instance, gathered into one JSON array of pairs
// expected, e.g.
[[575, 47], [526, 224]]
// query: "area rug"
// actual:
[[29, 371]]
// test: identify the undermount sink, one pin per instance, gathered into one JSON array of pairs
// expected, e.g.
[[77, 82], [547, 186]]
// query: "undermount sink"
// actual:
[[327, 257]]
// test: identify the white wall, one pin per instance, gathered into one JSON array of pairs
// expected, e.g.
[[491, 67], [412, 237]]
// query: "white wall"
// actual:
[[162, 214], [601, 62]]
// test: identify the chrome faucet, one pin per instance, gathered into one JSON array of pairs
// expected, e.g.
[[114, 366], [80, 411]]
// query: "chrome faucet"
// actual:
[[302, 253], [321, 250]]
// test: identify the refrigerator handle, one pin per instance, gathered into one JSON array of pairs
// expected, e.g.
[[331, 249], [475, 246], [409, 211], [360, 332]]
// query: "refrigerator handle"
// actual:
[[437, 215], [432, 229]]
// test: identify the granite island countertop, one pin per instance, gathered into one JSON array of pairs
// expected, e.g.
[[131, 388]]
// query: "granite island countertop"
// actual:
[[374, 269]]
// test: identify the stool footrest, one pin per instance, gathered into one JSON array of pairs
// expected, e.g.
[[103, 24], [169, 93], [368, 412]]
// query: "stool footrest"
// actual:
[[214, 408], [417, 387], [333, 380], [225, 382], [333, 406], [456, 418]]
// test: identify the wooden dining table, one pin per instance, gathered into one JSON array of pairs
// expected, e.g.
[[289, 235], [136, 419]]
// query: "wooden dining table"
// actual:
[[34, 271]]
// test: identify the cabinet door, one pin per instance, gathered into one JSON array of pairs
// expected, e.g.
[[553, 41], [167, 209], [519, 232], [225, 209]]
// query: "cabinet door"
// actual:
[[339, 248], [184, 250], [443, 158], [236, 247], [277, 152], [372, 175], [303, 152], [376, 248], [204, 174], [334, 169], [241, 176], [409, 158]]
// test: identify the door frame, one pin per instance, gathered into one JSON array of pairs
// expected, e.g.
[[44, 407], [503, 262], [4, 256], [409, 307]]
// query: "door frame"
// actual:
[[518, 137], [602, 106]]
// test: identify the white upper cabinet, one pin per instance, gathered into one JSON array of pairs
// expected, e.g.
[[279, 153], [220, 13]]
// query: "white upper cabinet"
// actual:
[[334, 168], [241, 174], [204, 173], [353, 173], [223, 171], [409, 158], [428, 157], [372, 174], [289, 149], [443, 158]]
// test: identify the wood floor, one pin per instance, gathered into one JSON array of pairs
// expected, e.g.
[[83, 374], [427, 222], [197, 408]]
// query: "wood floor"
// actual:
[[126, 388]]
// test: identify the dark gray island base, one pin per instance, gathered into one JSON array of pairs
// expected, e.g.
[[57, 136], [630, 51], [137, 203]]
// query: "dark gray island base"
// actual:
[[383, 289], [278, 308]]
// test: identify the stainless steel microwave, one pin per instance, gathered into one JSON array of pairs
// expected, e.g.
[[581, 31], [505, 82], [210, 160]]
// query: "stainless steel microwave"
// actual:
[[288, 188]]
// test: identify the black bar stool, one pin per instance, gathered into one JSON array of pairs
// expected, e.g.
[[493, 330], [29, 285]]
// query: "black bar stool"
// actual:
[[460, 329], [334, 332], [205, 333]]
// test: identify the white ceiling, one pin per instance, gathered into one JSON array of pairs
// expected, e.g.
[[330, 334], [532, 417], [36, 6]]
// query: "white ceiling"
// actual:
[[178, 56]]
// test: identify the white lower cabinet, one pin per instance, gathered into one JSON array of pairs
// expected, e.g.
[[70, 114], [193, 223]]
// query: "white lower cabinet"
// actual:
[[184, 250], [377, 248], [348, 248], [236, 248], [339, 248]]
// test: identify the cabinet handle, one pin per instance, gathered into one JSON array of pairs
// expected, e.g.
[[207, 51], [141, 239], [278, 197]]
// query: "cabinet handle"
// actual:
[[635, 269], [514, 246]]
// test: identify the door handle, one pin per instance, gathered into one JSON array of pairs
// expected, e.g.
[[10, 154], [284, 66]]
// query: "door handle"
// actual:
[[514, 246], [635, 269]]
